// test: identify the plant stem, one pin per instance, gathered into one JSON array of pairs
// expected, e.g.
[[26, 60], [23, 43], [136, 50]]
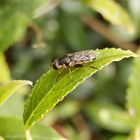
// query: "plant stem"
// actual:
[[136, 133], [28, 135]]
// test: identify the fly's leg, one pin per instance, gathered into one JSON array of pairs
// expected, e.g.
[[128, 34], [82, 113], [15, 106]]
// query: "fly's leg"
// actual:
[[60, 71], [70, 73]]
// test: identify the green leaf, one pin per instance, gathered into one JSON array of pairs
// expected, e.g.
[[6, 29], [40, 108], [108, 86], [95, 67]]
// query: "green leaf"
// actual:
[[133, 91], [120, 138], [13, 107], [8, 89], [53, 86], [12, 129], [18, 15], [113, 12], [109, 116], [4, 70]]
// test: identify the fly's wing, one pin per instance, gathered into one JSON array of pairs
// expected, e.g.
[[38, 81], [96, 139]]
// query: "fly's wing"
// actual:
[[82, 57]]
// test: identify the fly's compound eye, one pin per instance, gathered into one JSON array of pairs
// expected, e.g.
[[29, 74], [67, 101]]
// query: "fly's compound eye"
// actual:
[[56, 65]]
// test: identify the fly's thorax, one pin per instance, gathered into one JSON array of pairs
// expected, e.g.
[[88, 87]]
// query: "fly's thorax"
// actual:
[[65, 60]]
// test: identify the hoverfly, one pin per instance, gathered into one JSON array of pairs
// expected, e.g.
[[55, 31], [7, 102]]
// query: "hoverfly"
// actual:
[[77, 59]]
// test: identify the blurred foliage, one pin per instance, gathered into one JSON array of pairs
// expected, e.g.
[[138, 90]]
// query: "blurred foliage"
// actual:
[[8, 89], [13, 129], [133, 92], [109, 116], [133, 98], [4, 69], [35, 42], [15, 15], [111, 11]]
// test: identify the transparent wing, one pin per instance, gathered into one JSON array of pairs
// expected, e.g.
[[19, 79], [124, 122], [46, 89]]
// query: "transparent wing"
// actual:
[[82, 57]]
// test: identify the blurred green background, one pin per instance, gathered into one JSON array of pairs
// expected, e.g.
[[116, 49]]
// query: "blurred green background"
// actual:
[[31, 36]]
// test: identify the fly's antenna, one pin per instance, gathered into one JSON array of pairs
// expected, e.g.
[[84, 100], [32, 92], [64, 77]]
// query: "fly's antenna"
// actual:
[[70, 73]]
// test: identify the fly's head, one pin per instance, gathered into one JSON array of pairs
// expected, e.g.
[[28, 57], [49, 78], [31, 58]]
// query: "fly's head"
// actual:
[[56, 65]]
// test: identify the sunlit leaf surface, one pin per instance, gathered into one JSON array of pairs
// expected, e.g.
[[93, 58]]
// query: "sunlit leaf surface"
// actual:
[[8, 89]]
